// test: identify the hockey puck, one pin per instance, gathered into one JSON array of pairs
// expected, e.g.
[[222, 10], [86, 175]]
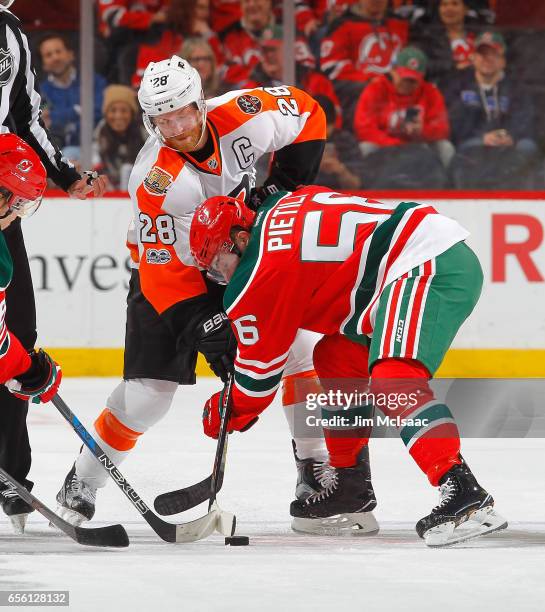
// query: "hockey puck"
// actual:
[[237, 541]]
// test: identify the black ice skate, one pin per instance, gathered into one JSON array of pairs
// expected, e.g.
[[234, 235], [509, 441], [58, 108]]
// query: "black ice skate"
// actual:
[[16, 508], [76, 499], [465, 511], [310, 474], [334, 501]]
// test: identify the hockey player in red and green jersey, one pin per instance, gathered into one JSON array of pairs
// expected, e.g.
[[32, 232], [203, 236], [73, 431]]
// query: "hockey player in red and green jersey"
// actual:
[[28, 374], [389, 287]]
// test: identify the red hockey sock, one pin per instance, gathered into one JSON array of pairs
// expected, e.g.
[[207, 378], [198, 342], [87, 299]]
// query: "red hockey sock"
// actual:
[[341, 365], [435, 444]]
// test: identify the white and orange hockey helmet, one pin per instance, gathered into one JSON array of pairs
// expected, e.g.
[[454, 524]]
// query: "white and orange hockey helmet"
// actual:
[[167, 86]]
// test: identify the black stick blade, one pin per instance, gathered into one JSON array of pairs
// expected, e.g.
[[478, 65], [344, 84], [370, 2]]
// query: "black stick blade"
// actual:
[[181, 500], [112, 535]]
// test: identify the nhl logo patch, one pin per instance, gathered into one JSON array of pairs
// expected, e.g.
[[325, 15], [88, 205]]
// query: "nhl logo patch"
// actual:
[[6, 66], [212, 164], [158, 181], [251, 105]]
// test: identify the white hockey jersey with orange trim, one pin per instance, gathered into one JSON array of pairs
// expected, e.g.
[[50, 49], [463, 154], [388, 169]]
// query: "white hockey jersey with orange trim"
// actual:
[[166, 186]]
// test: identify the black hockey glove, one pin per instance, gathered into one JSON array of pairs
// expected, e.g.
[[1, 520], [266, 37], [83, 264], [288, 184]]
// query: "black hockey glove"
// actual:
[[216, 341], [40, 382]]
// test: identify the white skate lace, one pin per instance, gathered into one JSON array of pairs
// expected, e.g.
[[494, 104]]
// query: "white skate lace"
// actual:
[[9, 494], [329, 484], [446, 493], [79, 487], [324, 474]]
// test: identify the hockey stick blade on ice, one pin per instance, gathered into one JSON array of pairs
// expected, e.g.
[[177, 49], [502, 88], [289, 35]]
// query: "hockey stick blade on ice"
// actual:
[[181, 500], [183, 532], [112, 535]]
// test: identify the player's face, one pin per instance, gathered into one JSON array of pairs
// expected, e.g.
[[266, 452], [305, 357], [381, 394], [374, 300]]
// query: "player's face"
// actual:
[[226, 261], [6, 216], [181, 128], [225, 264]]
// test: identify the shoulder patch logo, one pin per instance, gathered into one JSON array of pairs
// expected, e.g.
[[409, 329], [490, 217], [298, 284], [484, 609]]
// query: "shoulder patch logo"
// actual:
[[6, 66], [251, 105], [158, 181]]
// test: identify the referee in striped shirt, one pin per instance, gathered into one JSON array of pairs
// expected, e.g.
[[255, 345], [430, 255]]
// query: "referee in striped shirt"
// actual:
[[20, 114]]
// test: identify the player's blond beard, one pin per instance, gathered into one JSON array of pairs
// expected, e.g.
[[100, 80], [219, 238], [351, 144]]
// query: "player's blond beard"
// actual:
[[198, 136]]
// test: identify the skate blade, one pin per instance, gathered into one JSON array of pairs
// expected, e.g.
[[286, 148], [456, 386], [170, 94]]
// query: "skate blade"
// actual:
[[479, 523], [70, 516], [18, 522], [349, 524]]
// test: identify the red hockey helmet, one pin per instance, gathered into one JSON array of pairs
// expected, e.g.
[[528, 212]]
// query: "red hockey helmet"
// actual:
[[211, 227], [22, 175]]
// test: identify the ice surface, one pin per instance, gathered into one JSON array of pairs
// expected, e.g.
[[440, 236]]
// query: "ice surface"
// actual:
[[280, 570]]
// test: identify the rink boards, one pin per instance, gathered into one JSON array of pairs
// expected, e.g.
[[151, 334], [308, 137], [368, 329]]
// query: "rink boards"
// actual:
[[79, 265]]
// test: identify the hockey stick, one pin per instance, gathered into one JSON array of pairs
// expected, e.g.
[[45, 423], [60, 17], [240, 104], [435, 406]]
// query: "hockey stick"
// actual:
[[216, 479], [183, 532], [112, 535], [181, 500]]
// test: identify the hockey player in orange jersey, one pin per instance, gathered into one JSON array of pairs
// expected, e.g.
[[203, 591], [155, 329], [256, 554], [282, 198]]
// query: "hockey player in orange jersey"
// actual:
[[389, 287], [196, 149]]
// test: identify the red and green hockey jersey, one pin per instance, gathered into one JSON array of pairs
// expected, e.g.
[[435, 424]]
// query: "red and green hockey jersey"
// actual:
[[357, 49], [319, 260], [13, 357]]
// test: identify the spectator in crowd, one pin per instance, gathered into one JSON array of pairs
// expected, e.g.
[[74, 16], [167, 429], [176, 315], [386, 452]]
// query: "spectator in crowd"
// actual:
[[342, 163], [242, 42], [329, 10], [120, 135], [121, 17], [185, 18], [448, 40], [492, 122], [61, 90], [123, 24], [405, 115], [268, 72], [362, 43], [201, 56], [426, 10], [311, 15], [224, 14]]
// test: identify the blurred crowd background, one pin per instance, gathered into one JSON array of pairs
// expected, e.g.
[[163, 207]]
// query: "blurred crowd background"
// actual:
[[418, 94]]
